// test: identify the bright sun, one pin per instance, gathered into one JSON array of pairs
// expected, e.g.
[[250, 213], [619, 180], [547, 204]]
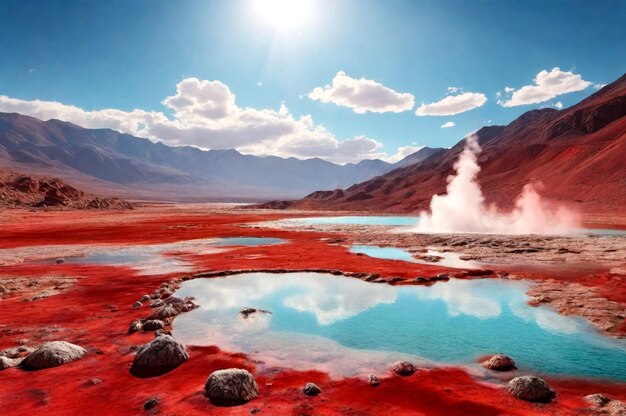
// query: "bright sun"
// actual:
[[284, 14]]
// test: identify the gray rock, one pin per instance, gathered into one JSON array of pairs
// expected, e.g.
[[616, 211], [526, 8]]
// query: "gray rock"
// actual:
[[144, 298], [403, 368], [162, 354], [311, 389], [135, 326], [230, 387], [153, 325], [164, 312], [372, 380], [531, 388], [157, 303], [151, 403], [53, 354], [615, 408], [6, 362], [596, 400], [499, 362], [137, 305]]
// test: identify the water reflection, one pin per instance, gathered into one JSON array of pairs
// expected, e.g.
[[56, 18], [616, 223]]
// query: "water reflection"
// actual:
[[347, 326], [445, 259]]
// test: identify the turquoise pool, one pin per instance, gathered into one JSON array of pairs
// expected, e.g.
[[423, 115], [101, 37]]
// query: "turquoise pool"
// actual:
[[345, 325]]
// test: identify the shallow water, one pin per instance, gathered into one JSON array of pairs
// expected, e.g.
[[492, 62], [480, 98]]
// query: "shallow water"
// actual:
[[347, 326], [407, 221], [448, 259], [163, 258]]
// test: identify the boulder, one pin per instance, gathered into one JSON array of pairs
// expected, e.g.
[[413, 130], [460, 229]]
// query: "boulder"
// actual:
[[311, 389], [531, 388], [499, 362], [162, 354], [231, 387], [53, 354], [164, 312], [403, 368]]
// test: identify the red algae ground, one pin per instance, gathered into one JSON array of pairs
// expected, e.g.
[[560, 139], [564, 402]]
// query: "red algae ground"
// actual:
[[96, 310]]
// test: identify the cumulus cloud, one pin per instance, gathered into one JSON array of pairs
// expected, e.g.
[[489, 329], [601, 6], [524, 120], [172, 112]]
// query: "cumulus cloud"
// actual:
[[558, 105], [448, 124], [362, 95], [205, 114], [403, 151], [548, 85], [599, 86], [452, 104]]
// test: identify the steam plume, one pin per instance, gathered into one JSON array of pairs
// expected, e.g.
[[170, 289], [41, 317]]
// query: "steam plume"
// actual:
[[463, 210]]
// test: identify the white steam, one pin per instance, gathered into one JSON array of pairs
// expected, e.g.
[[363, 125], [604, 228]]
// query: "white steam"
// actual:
[[463, 210]]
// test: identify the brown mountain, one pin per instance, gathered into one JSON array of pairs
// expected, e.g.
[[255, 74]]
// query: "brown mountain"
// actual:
[[17, 190], [578, 154]]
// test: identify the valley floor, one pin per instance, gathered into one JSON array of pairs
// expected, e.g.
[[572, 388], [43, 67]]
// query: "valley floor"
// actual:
[[92, 305]]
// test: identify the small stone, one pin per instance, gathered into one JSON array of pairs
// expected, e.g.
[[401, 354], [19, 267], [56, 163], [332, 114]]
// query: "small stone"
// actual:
[[165, 311], [531, 388], [232, 386], [372, 380], [135, 326], [153, 325], [95, 381], [151, 403], [53, 354], [616, 408], [137, 305], [597, 400], [403, 368], [144, 298], [60, 261], [157, 303], [6, 362], [311, 389], [499, 362]]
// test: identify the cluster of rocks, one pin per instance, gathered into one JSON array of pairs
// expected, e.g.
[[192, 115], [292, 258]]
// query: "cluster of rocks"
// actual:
[[47, 355], [165, 308], [603, 405]]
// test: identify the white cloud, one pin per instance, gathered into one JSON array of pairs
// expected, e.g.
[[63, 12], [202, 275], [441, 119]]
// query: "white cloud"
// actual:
[[558, 105], [205, 115], [599, 86], [448, 124], [403, 151], [452, 104], [548, 85], [454, 90], [362, 95]]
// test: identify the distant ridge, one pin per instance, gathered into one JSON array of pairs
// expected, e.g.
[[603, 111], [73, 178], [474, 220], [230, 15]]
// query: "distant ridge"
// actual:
[[104, 160]]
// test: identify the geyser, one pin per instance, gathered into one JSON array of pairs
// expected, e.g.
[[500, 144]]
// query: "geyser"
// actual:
[[463, 210]]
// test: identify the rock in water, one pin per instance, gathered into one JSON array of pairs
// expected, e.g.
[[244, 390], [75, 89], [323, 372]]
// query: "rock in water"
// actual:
[[531, 388], [53, 354], [499, 362], [231, 387], [403, 368], [162, 354], [311, 389]]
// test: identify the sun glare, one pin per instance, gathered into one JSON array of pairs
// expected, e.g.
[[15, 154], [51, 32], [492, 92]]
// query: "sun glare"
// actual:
[[284, 14]]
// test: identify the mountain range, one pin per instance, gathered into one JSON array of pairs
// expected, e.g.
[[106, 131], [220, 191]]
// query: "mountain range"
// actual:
[[578, 155], [114, 163]]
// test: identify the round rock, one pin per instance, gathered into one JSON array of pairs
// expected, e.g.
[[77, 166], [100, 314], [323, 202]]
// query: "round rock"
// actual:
[[153, 325], [499, 362], [597, 400], [162, 354], [231, 387], [311, 389], [531, 388], [403, 368], [53, 354]]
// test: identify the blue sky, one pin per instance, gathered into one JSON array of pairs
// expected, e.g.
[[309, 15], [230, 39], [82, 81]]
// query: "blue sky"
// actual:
[[124, 56]]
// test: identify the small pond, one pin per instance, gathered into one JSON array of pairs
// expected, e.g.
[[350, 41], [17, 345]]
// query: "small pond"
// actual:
[[346, 326]]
